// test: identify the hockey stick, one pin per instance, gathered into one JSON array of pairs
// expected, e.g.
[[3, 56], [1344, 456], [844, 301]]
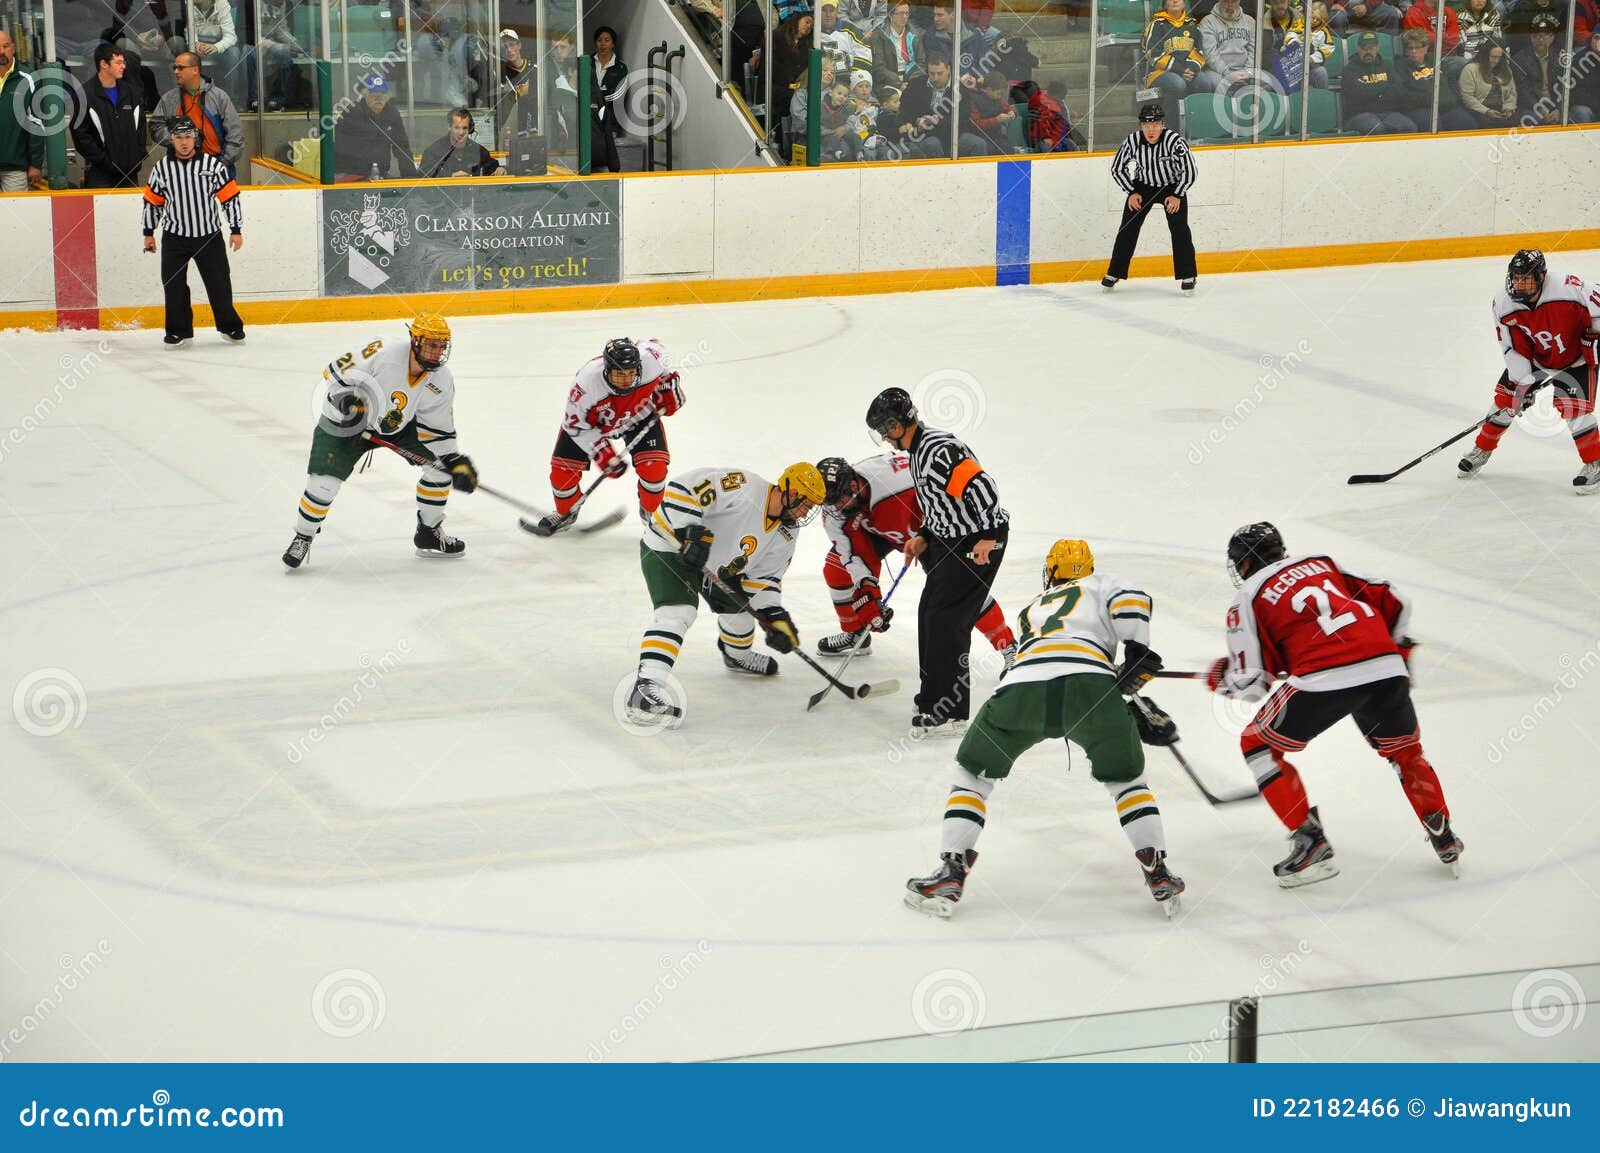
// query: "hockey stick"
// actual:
[[816, 697], [537, 529], [421, 461], [1380, 477], [1211, 798]]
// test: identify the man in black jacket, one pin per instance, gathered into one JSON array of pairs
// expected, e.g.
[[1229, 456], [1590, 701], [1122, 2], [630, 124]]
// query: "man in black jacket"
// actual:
[[370, 133], [1369, 93], [925, 111], [456, 153], [110, 134]]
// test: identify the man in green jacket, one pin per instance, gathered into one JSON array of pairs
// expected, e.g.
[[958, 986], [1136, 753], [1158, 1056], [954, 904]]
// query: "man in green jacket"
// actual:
[[21, 132]]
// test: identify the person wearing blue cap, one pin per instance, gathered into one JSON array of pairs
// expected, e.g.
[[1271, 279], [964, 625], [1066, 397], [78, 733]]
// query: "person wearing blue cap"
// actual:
[[371, 134]]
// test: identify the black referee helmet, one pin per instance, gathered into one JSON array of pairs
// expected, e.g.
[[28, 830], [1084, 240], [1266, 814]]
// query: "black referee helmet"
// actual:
[[1151, 113], [181, 126]]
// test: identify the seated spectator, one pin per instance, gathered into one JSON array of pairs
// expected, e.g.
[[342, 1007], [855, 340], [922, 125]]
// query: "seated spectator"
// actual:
[[214, 37], [1586, 79], [1414, 83], [1365, 16], [1049, 123], [1478, 20], [896, 48], [839, 142], [207, 107], [989, 118], [1228, 39], [865, 16], [371, 136], [1487, 88], [1424, 15], [973, 44], [456, 153], [1173, 59], [1322, 39], [1290, 61], [800, 106], [925, 111], [1370, 94], [1537, 69], [1280, 19], [278, 49], [842, 39], [881, 140]]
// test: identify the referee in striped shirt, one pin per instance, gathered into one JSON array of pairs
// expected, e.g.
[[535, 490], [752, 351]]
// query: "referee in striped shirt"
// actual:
[[1153, 166], [181, 197], [959, 546]]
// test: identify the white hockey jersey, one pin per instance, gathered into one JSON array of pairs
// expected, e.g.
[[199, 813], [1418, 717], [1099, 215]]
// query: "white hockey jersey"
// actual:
[[595, 413], [380, 374], [1075, 627], [732, 503]]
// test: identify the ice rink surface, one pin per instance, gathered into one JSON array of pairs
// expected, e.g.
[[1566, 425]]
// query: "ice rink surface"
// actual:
[[381, 808]]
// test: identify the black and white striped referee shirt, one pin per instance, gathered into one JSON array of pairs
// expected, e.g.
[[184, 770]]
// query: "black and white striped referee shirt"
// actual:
[[1167, 163], [958, 498], [182, 196]]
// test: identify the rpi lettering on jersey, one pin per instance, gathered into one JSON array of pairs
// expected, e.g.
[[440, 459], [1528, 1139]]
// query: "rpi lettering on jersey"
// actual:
[[1290, 577]]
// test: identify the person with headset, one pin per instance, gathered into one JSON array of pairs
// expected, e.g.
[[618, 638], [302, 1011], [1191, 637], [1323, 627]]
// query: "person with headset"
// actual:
[[456, 153]]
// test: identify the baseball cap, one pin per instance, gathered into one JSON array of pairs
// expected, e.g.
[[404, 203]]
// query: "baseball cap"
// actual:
[[376, 82], [510, 34], [1366, 38], [1545, 22], [181, 126]]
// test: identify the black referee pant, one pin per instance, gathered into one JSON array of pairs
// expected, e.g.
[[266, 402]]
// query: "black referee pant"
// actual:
[[210, 256], [952, 601], [1128, 232]]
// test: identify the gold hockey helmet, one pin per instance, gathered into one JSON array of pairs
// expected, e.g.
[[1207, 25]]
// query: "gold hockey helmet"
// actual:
[[1069, 560], [804, 491], [433, 327]]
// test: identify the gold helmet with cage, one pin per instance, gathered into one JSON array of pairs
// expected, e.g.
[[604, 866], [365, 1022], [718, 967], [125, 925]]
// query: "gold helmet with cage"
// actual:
[[433, 328], [1068, 560], [804, 491]]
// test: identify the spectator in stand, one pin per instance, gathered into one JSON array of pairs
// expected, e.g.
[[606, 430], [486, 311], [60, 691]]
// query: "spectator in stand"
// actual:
[[214, 37], [137, 75], [880, 141], [518, 108], [1173, 59], [1586, 79], [978, 18], [1369, 92], [207, 107], [1280, 20], [1478, 20], [865, 16], [605, 90], [1519, 18], [1049, 123], [840, 143], [842, 39], [1537, 69], [110, 134], [21, 132], [456, 153], [925, 112], [1424, 14], [800, 108], [165, 33], [942, 40], [371, 134], [1487, 88], [1228, 39], [1365, 16], [989, 118], [791, 49], [896, 49], [1414, 83], [277, 48]]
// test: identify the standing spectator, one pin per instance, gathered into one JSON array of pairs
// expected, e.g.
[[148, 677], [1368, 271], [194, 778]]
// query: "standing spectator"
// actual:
[[560, 97], [214, 38], [371, 134], [110, 134], [456, 153], [1414, 83], [791, 51], [1173, 58], [21, 132], [1537, 69], [605, 90], [896, 49], [1228, 40], [1369, 93], [1487, 88], [1049, 124], [518, 106], [1366, 16], [1153, 166], [181, 198], [959, 546], [136, 74], [989, 118], [277, 49], [1424, 14], [1479, 20], [925, 112], [205, 105]]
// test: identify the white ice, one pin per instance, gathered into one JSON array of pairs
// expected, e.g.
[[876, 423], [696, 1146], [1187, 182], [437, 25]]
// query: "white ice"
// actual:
[[388, 797]]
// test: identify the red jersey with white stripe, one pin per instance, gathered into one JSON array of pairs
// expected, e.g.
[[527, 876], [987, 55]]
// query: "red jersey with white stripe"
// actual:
[[1551, 334], [889, 517], [594, 412], [1307, 621]]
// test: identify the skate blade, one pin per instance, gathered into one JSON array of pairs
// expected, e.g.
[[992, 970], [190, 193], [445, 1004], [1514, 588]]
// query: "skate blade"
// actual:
[[1310, 875], [940, 907], [1172, 906], [858, 654], [435, 554], [655, 720], [941, 732], [1455, 869]]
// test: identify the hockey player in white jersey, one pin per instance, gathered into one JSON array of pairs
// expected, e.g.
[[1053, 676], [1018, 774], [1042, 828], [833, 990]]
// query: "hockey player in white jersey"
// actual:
[[725, 536], [400, 391], [1065, 683]]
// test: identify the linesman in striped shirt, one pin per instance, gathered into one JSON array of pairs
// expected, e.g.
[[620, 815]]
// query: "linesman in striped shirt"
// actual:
[[182, 196], [959, 546], [1153, 166]]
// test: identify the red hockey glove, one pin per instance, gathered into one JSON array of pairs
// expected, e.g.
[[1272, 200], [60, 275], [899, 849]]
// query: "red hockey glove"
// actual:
[[868, 606], [608, 460], [668, 394], [1215, 673]]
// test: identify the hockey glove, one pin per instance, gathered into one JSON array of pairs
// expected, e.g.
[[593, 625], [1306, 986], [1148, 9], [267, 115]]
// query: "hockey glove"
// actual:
[[780, 630], [868, 606], [694, 546], [353, 410], [1138, 667], [668, 394], [1407, 646], [1215, 672], [728, 574], [1154, 725], [608, 460], [463, 476]]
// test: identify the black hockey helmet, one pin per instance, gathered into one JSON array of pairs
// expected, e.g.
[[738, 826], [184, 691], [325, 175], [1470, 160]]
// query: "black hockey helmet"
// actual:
[[1527, 262], [1152, 113], [622, 355], [846, 487], [1252, 547], [891, 406]]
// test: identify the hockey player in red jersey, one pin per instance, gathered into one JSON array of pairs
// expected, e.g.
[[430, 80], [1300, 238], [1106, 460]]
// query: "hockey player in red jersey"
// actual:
[[871, 512], [1336, 643], [613, 397], [1547, 326]]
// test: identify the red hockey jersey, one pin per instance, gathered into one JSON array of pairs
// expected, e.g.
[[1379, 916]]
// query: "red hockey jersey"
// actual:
[[890, 517], [1554, 334]]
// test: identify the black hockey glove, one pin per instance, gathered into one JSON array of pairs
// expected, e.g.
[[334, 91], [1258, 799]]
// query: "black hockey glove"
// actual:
[[694, 546], [729, 573], [1154, 725], [780, 630], [352, 409], [463, 476], [1139, 665]]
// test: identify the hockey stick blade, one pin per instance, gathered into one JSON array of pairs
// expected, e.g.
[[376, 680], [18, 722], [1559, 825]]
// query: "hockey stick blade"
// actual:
[[527, 524], [1380, 478]]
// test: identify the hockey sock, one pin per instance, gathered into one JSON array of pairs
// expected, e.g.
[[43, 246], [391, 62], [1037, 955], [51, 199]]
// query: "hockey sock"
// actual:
[[566, 482], [658, 648], [964, 812], [992, 624], [1136, 809], [736, 630], [842, 589], [314, 502], [1585, 437], [433, 489], [1421, 783], [1281, 785], [651, 470], [1491, 432]]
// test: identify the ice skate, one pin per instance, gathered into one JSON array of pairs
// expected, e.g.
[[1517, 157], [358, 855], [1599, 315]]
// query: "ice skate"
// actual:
[[648, 704], [840, 644], [299, 548], [1587, 482], [1473, 462], [750, 663], [1444, 841], [435, 542], [928, 725], [1310, 856], [553, 522], [1108, 282], [937, 894], [1164, 885]]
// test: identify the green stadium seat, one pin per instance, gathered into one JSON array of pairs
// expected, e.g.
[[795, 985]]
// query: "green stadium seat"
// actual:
[[1323, 119], [1200, 122]]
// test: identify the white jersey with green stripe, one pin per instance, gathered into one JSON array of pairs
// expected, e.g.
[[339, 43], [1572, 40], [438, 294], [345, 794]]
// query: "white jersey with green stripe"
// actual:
[[1074, 628], [732, 503], [380, 375]]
